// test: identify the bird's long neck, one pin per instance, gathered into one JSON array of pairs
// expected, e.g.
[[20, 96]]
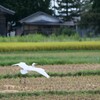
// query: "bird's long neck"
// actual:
[[33, 66]]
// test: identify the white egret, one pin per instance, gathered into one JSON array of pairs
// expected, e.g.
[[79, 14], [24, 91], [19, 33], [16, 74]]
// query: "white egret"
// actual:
[[25, 69]]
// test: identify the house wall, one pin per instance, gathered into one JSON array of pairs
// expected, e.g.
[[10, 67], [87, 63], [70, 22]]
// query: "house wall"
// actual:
[[44, 29], [3, 29]]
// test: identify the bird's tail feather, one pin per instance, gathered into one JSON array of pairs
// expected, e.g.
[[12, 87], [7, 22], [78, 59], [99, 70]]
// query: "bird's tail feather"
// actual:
[[42, 72]]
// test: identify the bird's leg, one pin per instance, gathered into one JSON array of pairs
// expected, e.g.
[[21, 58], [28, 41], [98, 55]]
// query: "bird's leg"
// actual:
[[20, 81], [24, 80]]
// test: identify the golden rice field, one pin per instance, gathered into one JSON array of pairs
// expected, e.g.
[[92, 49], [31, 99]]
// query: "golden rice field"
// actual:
[[18, 46]]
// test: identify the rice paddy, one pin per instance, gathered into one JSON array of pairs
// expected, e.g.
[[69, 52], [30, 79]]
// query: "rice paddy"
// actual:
[[75, 75], [41, 46]]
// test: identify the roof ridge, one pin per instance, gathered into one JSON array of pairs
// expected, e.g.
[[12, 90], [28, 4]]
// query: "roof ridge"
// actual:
[[4, 9], [38, 13]]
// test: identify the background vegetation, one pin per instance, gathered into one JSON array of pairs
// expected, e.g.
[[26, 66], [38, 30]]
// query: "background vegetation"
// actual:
[[64, 37], [25, 8], [88, 10]]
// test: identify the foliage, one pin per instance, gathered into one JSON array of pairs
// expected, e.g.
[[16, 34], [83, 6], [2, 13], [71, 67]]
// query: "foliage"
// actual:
[[96, 6], [30, 38], [85, 6], [59, 37], [96, 11], [67, 31], [91, 18], [24, 8], [67, 9]]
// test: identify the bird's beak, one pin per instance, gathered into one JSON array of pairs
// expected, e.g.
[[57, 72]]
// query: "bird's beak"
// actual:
[[14, 64]]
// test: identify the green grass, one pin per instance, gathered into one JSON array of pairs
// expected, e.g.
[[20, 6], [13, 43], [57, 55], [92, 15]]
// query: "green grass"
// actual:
[[37, 38], [22, 94], [50, 57], [42, 38]]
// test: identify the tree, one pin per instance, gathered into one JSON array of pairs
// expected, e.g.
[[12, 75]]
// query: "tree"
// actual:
[[96, 11], [24, 8], [67, 9], [96, 6], [91, 18]]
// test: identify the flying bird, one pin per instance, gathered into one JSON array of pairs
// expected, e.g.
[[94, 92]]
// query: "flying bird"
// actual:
[[26, 68]]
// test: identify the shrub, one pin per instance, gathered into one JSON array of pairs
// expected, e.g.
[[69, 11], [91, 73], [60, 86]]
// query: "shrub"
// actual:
[[67, 31]]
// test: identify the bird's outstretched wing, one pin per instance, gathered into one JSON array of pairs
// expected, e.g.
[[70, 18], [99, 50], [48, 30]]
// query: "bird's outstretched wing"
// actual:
[[21, 64], [42, 72]]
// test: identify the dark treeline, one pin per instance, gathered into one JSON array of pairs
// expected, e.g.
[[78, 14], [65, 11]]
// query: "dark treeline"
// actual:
[[91, 18], [24, 8]]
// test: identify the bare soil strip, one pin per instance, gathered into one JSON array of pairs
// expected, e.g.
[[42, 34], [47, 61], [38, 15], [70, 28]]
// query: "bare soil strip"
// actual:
[[54, 68], [78, 83]]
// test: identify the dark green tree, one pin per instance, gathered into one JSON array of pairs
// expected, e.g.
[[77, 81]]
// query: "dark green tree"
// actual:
[[96, 15], [91, 18], [96, 6], [67, 9], [24, 8]]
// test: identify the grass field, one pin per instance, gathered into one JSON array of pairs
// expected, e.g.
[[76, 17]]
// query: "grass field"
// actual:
[[75, 75], [42, 38], [51, 57]]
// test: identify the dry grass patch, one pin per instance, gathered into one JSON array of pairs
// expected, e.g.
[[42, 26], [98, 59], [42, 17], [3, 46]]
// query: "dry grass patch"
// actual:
[[53, 84], [71, 68]]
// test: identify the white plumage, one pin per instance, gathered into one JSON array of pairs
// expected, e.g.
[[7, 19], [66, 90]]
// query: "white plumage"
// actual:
[[25, 69]]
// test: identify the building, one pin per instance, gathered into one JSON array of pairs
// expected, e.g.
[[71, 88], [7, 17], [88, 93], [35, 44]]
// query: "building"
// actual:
[[4, 14], [39, 22]]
